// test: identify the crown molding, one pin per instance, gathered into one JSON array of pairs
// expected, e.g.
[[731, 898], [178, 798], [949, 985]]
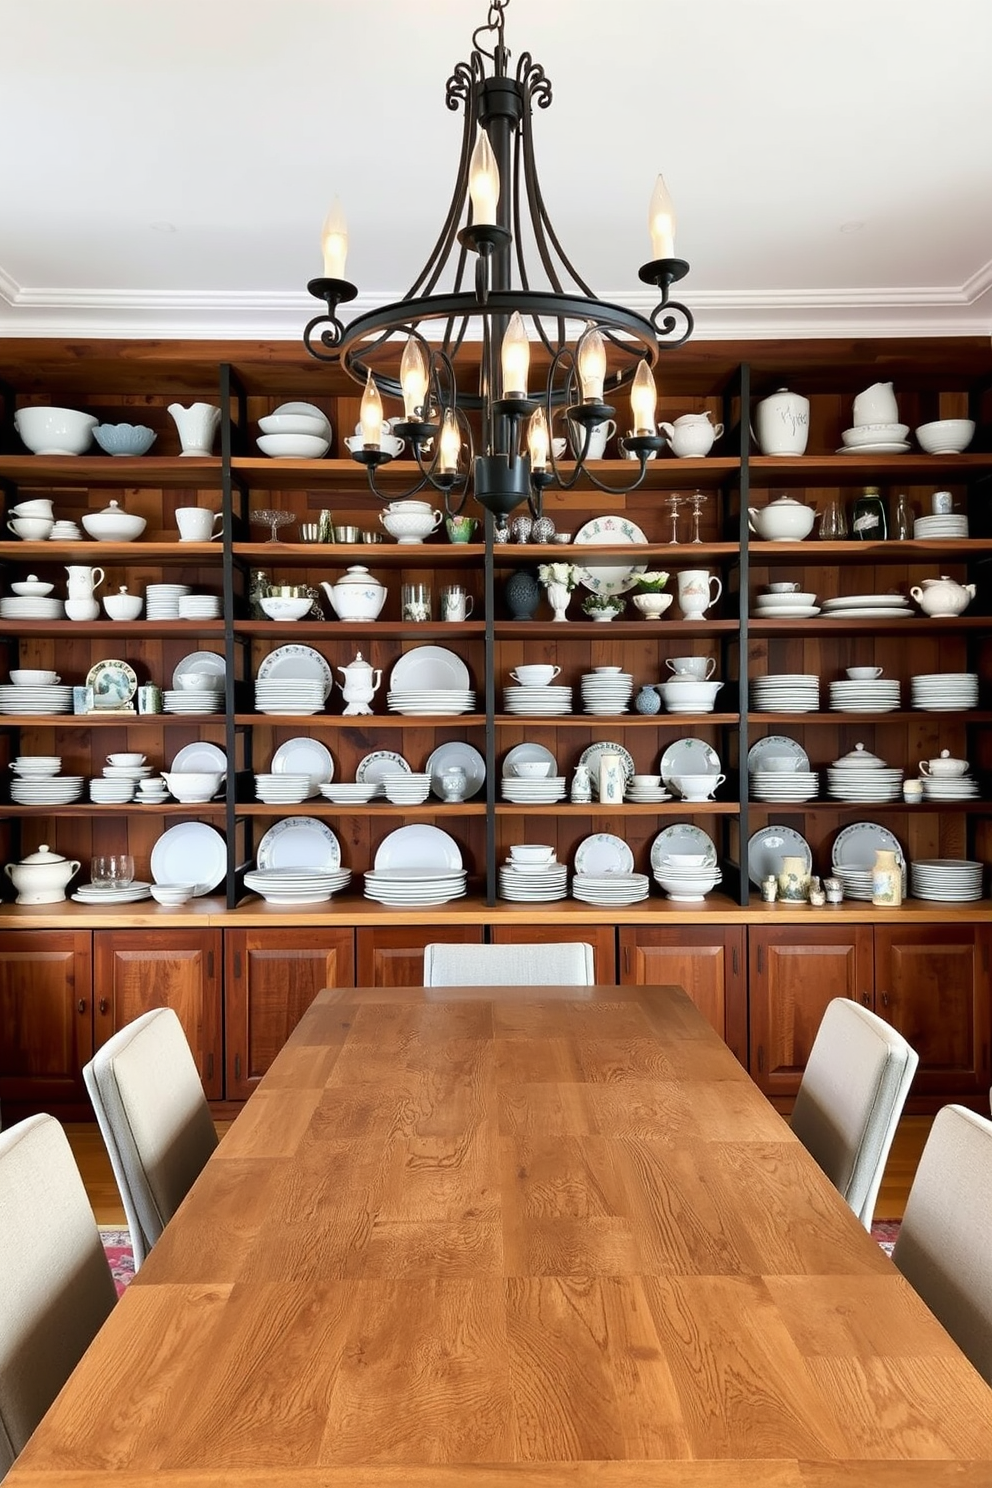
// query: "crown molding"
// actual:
[[924, 310]]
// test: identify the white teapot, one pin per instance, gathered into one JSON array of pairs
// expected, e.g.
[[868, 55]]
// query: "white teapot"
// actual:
[[360, 685], [942, 597], [782, 520], [692, 435], [357, 595], [41, 877]]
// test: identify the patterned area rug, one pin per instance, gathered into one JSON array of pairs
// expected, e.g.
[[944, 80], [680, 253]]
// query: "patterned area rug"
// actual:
[[117, 1244], [885, 1233]]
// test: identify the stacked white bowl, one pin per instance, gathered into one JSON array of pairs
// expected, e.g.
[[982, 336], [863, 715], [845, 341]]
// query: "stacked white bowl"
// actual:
[[407, 787], [873, 435], [784, 601], [687, 877], [688, 694], [606, 689], [532, 874], [283, 790], [296, 431], [345, 793], [37, 782], [198, 692]]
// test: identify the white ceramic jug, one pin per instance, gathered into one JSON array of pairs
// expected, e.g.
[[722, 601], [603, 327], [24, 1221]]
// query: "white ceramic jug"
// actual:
[[781, 423], [197, 426], [876, 405], [83, 580]]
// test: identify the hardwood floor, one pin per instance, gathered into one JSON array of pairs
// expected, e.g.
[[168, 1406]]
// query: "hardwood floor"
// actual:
[[94, 1165]]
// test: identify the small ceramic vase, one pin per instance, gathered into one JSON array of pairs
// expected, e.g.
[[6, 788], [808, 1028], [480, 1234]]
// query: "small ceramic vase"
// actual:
[[793, 881], [581, 793], [647, 700], [521, 528], [543, 530], [558, 598], [886, 880], [523, 594]]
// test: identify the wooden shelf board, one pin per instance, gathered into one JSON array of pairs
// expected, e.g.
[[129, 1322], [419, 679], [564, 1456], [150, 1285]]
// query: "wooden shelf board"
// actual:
[[863, 469], [111, 720], [391, 554], [364, 721], [92, 808], [511, 555], [907, 715], [617, 720], [430, 807], [912, 550], [664, 474], [628, 808], [625, 629], [823, 624], [362, 630], [972, 807], [160, 552], [140, 472], [119, 629]]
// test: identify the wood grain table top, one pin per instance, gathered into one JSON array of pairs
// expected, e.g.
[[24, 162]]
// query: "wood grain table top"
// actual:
[[511, 1236]]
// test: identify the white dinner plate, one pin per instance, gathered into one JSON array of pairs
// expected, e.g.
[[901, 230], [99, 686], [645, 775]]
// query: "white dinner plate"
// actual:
[[209, 662], [688, 757], [594, 754], [190, 852], [429, 668], [682, 837], [867, 601], [304, 756], [200, 756], [787, 612], [375, 766], [299, 842], [603, 853], [897, 448], [767, 848], [776, 744], [607, 576], [296, 664], [855, 846], [419, 846], [456, 753]]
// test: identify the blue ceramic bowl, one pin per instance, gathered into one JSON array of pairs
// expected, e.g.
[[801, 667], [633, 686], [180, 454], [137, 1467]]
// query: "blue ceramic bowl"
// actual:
[[124, 439]]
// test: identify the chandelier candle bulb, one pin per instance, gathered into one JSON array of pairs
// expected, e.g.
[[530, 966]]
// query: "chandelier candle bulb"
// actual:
[[538, 443], [661, 221], [591, 360], [413, 379], [515, 358], [451, 444], [371, 415], [643, 400], [334, 242], [483, 181]]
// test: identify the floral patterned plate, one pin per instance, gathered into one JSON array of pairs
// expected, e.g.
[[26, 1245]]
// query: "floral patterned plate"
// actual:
[[607, 576]]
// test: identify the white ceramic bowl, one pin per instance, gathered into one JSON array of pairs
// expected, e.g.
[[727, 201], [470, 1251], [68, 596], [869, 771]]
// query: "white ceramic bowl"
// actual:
[[55, 431], [946, 436], [874, 434], [652, 605], [200, 682], [194, 785], [172, 893], [408, 527], [688, 692], [697, 787], [123, 606], [113, 526], [685, 860], [531, 852], [293, 446], [786, 601], [278, 608], [33, 677], [525, 769], [294, 423], [124, 439], [33, 587], [535, 674]]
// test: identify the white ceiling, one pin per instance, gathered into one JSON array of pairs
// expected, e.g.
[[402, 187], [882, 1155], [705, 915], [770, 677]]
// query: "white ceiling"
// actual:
[[166, 166]]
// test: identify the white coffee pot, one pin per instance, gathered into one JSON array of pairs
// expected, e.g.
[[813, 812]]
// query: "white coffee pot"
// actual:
[[781, 423], [360, 684], [692, 435], [782, 520], [83, 580], [942, 597]]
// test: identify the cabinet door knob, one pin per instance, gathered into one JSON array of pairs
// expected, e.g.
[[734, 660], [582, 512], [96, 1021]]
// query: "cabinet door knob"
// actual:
[[81, 1005], [885, 999], [866, 998], [103, 1005]]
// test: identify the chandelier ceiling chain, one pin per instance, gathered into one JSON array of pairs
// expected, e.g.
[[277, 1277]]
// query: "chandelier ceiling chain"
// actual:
[[456, 350]]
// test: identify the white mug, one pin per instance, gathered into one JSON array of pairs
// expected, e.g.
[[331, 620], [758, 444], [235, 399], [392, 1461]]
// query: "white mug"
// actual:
[[598, 436], [456, 603], [197, 523], [695, 596], [611, 780]]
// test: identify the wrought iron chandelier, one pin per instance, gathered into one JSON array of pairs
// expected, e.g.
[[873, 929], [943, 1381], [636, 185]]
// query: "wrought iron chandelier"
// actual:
[[472, 314]]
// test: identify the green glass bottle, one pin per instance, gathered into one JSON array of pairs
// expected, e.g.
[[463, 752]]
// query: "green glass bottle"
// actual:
[[868, 520]]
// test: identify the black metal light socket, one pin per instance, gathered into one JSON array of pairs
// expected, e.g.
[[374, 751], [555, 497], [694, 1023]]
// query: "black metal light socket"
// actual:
[[502, 483]]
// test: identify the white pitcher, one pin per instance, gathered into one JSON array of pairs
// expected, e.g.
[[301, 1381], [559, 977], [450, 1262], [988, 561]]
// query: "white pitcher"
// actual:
[[83, 580], [197, 426], [695, 592]]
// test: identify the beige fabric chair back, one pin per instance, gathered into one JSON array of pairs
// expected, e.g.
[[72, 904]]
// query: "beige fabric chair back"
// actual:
[[943, 1249], [569, 963], [851, 1097], [56, 1289], [154, 1118]]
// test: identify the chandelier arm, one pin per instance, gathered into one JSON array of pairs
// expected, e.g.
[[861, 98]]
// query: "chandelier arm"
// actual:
[[392, 495], [540, 220], [330, 338], [666, 326], [439, 255]]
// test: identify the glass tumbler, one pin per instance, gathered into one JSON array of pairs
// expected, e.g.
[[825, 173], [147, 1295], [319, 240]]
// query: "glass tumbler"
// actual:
[[416, 602], [833, 522], [113, 870]]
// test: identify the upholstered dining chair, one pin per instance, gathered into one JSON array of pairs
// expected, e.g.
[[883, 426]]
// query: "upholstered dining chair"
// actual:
[[943, 1245], [568, 963], [155, 1121], [850, 1099], [56, 1289]]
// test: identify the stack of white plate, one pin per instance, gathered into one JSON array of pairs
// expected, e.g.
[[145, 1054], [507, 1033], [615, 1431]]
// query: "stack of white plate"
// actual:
[[795, 606], [856, 882], [786, 692], [870, 695], [533, 792], [199, 607], [110, 894], [292, 695], [288, 790], [47, 790], [33, 765], [426, 701], [946, 880], [869, 783], [346, 793], [867, 607], [31, 607], [949, 788], [111, 792], [152, 791], [945, 692], [784, 785], [688, 885], [65, 531], [533, 883], [852, 856], [537, 702], [181, 700], [414, 886], [645, 794], [35, 700], [948, 525], [610, 888], [297, 885], [875, 439], [606, 691], [407, 787], [162, 600]]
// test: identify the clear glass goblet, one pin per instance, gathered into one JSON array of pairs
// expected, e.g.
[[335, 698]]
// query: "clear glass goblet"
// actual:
[[275, 519]]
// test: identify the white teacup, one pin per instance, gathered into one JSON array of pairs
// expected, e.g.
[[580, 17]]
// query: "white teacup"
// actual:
[[33, 677], [700, 667], [697, 787], [31, 529], [36, 506], [944, 767], [863, 674], [197, 523], [782, 764], [598, 435], [645, 782], [531, 852], [535, 675], [783, 588], [127, 759], [532, 769]]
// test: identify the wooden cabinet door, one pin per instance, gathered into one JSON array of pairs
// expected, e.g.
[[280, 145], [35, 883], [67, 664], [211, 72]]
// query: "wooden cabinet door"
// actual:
[[270, 979], [393, 955], [136, 970], [602, 938], [932, 983], [793, 973], [46, 1016], [706, 961]]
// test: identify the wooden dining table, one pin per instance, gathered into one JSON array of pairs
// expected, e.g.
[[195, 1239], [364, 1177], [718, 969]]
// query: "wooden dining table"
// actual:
[[523, 1236]]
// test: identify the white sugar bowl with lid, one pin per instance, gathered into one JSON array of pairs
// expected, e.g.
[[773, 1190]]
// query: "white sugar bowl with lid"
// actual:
[[357, 595], [42, 877], [113, 524], [945, 765], [859, 758], [782, 520]]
